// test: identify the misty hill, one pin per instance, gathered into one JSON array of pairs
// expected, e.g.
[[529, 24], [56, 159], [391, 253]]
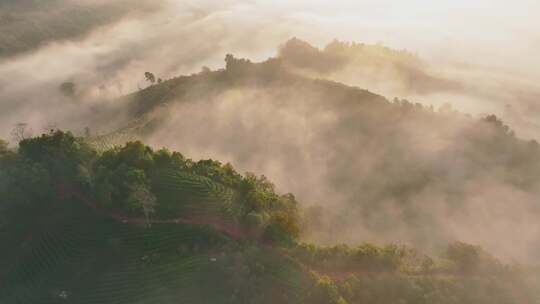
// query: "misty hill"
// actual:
[[373, 66], [393, 72], [133, 224], [29, 24], [365, 168]]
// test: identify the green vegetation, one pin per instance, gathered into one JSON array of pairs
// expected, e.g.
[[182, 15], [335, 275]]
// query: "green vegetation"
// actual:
[[385, 159], [136, 181], [134, 225]]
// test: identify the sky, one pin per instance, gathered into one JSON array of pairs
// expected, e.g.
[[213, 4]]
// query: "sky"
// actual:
[[457, 30]]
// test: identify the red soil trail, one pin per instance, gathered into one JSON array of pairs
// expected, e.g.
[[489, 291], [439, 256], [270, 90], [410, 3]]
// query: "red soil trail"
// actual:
[[231, 229]]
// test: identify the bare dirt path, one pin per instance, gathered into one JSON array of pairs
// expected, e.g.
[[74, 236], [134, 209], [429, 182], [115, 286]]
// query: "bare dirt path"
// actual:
[[229, 228]]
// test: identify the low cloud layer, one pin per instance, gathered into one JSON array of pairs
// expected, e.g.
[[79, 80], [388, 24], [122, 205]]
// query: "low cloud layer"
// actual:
[[470, 88], [364, 168], [178, 37], [106, 46]]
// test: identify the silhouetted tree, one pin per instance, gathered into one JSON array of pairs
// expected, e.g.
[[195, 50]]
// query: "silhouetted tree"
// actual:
[[150, 77], [229, 61], [20, 132]]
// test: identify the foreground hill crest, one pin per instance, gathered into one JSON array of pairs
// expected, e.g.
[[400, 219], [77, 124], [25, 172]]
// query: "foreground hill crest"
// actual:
[[156, 225]]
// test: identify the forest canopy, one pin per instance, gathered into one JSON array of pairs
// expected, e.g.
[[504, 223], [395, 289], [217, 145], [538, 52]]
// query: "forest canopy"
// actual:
[[134, 180], [132, 199]]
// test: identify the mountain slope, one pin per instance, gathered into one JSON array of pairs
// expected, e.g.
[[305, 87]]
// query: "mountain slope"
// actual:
[[67, 243], [353, 156]]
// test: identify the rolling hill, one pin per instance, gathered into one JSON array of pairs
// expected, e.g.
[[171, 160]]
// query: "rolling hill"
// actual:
[[68, 243], [378, 170]]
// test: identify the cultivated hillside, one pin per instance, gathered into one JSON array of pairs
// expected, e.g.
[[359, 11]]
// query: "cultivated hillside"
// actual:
[[135, 225]]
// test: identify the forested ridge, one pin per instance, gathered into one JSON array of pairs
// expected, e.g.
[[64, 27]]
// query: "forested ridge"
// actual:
[[354, 158], [156, 226]]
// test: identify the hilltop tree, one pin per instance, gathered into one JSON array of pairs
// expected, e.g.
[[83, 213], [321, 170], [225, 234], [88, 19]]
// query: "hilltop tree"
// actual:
[[150, 77], [229, 60], [20, 132], [232, 63]]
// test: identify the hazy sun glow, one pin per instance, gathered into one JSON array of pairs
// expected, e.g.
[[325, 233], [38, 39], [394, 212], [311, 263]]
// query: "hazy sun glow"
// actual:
[[445, 29]]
